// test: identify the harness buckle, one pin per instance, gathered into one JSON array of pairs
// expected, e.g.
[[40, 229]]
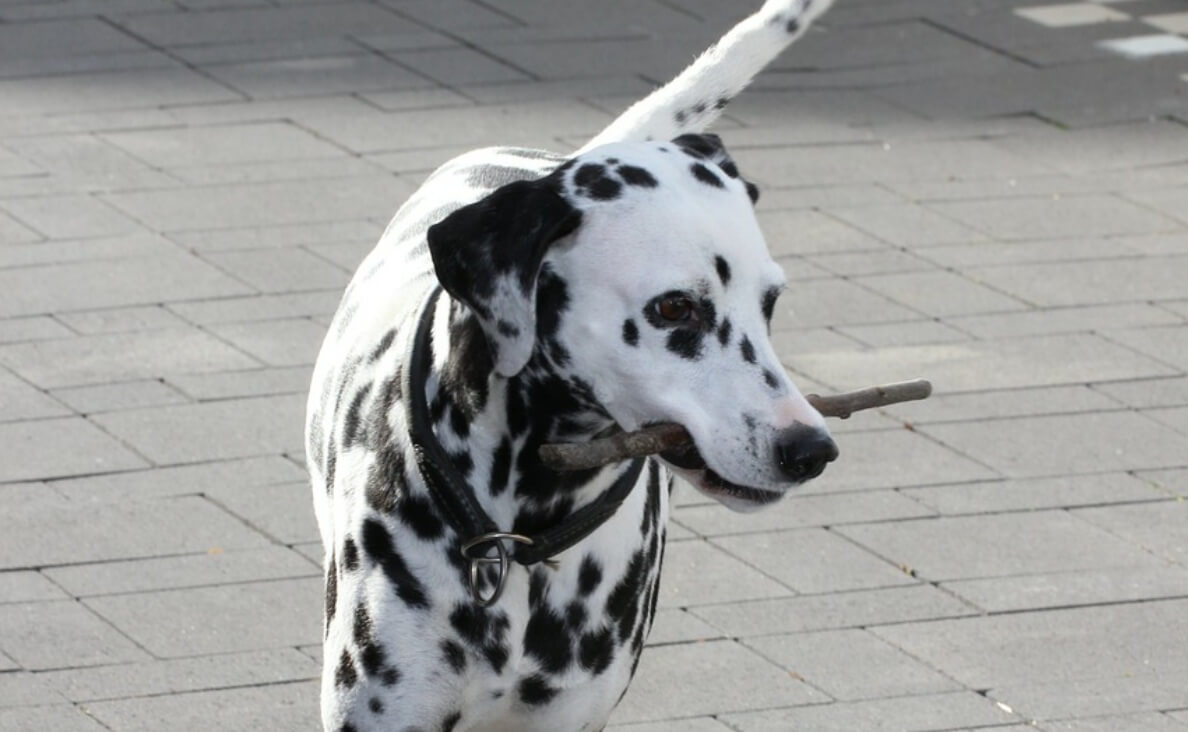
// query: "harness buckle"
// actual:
[[491, 540]]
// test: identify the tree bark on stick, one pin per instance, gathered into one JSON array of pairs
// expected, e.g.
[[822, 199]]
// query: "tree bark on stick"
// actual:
[[658, 438]]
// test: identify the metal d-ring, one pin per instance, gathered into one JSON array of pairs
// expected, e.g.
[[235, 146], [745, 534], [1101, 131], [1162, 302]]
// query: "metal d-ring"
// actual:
[[493, 539]]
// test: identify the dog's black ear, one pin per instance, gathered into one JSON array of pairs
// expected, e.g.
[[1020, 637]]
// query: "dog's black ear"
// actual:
[[708, 146], [488, 255]]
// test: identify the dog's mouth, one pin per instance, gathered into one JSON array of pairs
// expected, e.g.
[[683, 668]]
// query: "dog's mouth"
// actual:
[[688, 462]]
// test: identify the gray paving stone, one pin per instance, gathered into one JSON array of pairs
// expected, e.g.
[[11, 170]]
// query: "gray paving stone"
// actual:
[[1115, 147], [1160, 528], [907, 714], [105, 532], [111, 91], [851, 664], [20, 401], [281, 706], [324, 169], [908, 225], [942, 294], [111, 397], [323, 75], [257, 382], [55, 448], [56, 717], [263, 237], [1000, 253], [1093, 697], [814, 561], [1169, 201], [183, 675], [837, 302], [224, 145], [894, 459], [33, 328], [1068, 589], [1174, 482], [188, 622], [1174, 417], [28, 586], [826, 196], [458, 66], [120, 320], [65, 217], [281, 511], [1168, 343], [911, 333], [699, 724], [121, 357], [960, 547], [231, 53], [1005, 403], [292, 21], [883, 261], [264, 204], [180, 480], [13, 232], [24, 689], [1035, 493], [83, 162], [61, 634], [1077, 319], [213, 430], [112, 283], [1082, 283], [276, 342], [81, 250], [213, 567], [1066, 444], [707, 678], [1112, 641], [677, 625], [259, 307], [1148, 722], [697, 573], [280, 271], [994, 364], [801, 511], [1020, 219]]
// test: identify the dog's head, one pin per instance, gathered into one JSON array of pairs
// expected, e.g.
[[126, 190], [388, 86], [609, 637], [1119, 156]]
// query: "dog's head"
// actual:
[[639, 268]]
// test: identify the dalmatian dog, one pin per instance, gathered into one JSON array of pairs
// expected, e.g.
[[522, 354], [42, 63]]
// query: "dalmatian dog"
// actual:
[[518, 298]]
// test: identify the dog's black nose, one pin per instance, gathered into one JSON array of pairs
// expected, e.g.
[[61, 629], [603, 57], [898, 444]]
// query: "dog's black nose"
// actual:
[[802, 452]]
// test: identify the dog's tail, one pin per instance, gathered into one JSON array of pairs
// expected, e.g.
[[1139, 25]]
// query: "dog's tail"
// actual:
[[695, 98]]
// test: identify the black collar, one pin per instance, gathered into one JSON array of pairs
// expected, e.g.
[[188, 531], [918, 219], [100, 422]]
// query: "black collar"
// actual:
[[476, 530]]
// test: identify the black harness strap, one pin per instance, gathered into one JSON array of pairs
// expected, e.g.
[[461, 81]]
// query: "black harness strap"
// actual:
[[453, 495]]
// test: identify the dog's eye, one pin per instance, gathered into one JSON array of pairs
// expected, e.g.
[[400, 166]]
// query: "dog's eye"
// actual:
[[675, 309]]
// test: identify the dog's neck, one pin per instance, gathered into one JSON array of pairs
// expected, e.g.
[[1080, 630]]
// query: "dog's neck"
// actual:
[[492, 427]]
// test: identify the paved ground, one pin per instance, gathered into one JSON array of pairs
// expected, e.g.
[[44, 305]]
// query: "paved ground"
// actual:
[[977, 191]]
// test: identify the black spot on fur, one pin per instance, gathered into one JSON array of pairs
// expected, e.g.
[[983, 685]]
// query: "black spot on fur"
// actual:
[[589, 575], [680, 116], [331, 467], [546, 639], [752, 191], [686, 342], [723, 269], [793, 25], [331, 591], [747, 350], [350, 555], [596, 650], [390, 676], [450, 722], [630, 332], [501, 467], [418, 513], [651, 512], [575, 615], [699, 108], [721, 103], [705, 175], [483, 630], [377, 542], [769, 302], [534, 690], [371, 653], [724, 332], [454, 655], [771, 379], [622, 603], [347, 727], [385, 480], [375, 705], [592, 181], [552, 302], [635, 176], [383, 346], [469, 367], [345, 675], [729, 168]]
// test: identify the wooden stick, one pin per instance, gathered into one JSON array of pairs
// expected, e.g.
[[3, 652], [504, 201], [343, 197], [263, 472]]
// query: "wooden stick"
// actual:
[[661, 437]]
